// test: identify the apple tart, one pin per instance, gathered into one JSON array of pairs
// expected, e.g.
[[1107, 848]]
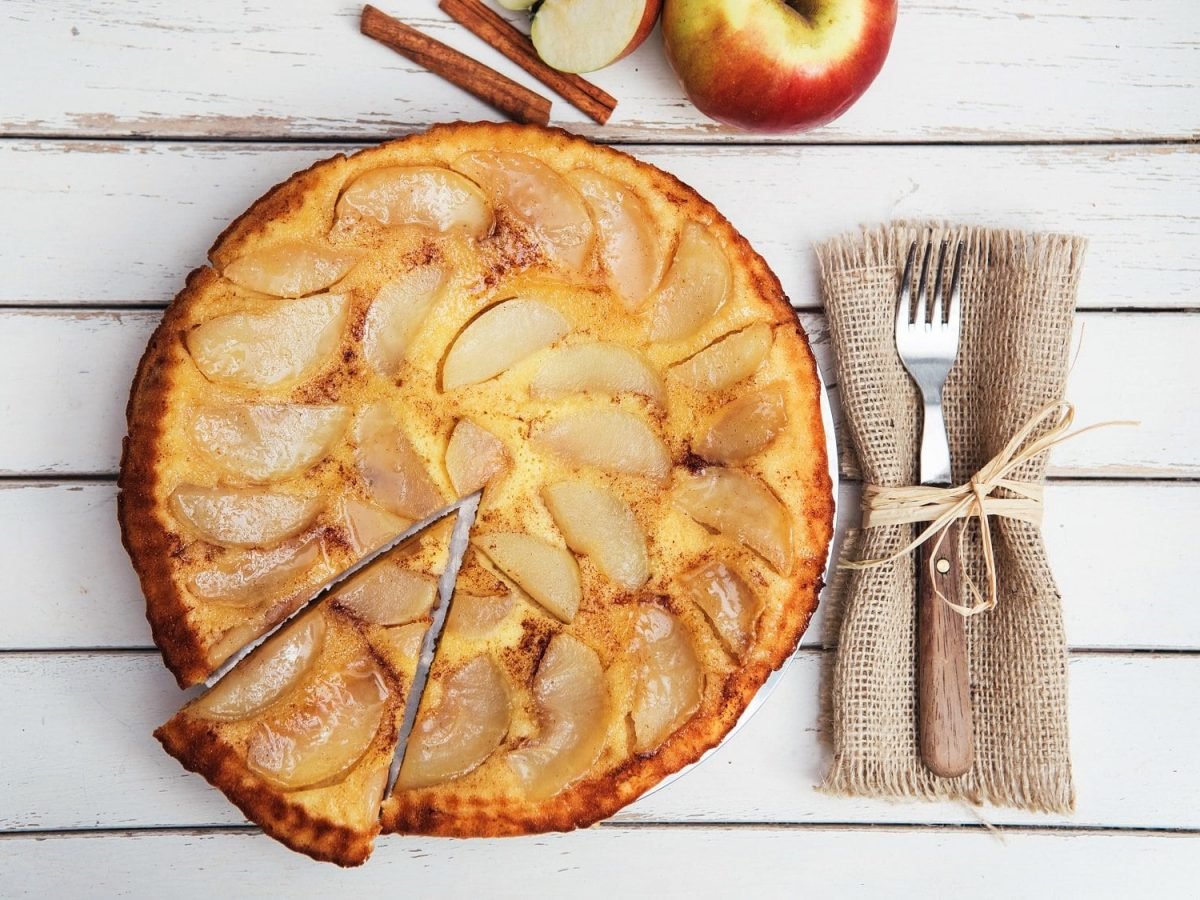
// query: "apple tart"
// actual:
[[480, 307]]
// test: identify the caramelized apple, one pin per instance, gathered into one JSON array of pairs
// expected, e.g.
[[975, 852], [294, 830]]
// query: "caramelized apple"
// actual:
[[628, 239], [474, 456], [265, 441], [572, 699], [499, 339], [475, 617], [727, 601], [457, 734], [726, 361], [607, 438], [667, 678], [694, 288], [387, 594], [271, 671], [243, 517], [537, 197], [403, 641], [428, 196], [318, 740], [746, 426], [291, 269], [395, 314], [742, 507], [547, 573], [249, 578], [601, 526], [599, 368], [395, 474], [271, 349], [367, 526]]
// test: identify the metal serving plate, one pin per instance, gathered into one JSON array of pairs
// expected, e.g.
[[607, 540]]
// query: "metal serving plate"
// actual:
[[768, 686]]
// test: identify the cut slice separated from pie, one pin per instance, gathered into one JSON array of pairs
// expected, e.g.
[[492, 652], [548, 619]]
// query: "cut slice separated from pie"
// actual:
[[495, 308]]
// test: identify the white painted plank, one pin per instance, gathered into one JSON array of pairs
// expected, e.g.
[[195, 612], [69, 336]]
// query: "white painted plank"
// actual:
[[1124, 576], [125, 222], [64, 379], [964, 70], [78, 753], [619, 862]]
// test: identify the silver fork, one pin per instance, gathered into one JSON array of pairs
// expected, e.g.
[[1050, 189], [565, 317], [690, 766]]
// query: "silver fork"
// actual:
[[927, 341]]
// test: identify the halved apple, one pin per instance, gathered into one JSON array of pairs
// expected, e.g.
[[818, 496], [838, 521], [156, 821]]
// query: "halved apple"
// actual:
[[474, 456], [249, 578], [572, 698], [547, 573], [727, 601], [601, 526], [537, 197], [271, 349], [629, 243], [267, 441], [694, 288], [667, 678], [291, 268], [600, 368], [395, 474], [499, 339], [396, 313], [428, 196], [271, 671], [367, 526], [727, 360], [243, 517], [585, 35], [387, 594], [607, 438], [457, 734], [741, 506], [318, 740], [746, 426]]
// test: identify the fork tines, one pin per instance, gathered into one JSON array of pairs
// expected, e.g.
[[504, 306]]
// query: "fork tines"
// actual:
[[938, 312]]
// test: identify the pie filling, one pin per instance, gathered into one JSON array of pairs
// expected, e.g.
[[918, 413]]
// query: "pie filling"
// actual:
[[595, 350]]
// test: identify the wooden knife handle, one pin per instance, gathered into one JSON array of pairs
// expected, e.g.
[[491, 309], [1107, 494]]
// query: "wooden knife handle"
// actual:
[[943, 684]]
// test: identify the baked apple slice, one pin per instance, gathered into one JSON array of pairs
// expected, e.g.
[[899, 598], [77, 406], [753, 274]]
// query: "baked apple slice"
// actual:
[[291, 268], [387, 594], [746, 426], [398, 310], [474, 456], [499, 338], [599, 367], [537, 197], [726, 361], [243, 517], [428, 196], [728, 602], [741, 506], [694, 288], [394, 472], [456, 733], [628, 239], [572, 698], [271, 349], [667, 678], [600, 525], [367, 526], [605, 437], [547, 573], [251, 577], [267, 441]]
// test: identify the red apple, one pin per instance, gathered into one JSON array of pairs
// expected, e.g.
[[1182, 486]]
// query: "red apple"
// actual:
[[777, 65], [585, 35]]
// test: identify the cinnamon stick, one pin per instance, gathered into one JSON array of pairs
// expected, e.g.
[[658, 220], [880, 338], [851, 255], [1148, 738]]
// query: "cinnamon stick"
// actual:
[[489, 25], [514, 100]]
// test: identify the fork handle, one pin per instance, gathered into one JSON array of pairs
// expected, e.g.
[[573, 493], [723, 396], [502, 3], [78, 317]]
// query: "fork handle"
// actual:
[[943, 686]]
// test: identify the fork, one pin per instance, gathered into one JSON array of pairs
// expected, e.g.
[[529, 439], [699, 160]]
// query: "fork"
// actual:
[[927, 341]]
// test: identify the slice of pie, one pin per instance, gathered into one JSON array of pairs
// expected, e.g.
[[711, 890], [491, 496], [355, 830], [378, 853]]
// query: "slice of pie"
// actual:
[[573, 331]]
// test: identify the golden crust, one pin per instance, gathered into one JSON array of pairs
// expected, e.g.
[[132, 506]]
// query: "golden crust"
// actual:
[[469, 809]]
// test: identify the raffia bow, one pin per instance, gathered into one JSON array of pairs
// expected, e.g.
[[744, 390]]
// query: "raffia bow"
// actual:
[[939, 506]]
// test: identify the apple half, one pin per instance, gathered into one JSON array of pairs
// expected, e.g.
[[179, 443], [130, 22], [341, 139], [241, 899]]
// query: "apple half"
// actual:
[[586, 35]]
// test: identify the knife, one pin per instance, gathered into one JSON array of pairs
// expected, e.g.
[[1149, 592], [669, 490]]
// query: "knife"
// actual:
[[326, 587]]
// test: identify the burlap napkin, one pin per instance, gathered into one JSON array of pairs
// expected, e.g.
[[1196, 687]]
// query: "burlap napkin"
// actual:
[[1018, 301]]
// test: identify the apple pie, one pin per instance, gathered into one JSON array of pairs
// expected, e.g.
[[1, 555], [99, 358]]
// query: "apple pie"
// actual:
[[480, 307]]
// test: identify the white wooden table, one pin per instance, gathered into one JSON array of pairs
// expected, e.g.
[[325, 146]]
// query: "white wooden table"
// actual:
[[132, 131]]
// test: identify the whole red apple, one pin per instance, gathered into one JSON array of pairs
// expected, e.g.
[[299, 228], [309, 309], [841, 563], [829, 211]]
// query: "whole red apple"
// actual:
[[777, 65]]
